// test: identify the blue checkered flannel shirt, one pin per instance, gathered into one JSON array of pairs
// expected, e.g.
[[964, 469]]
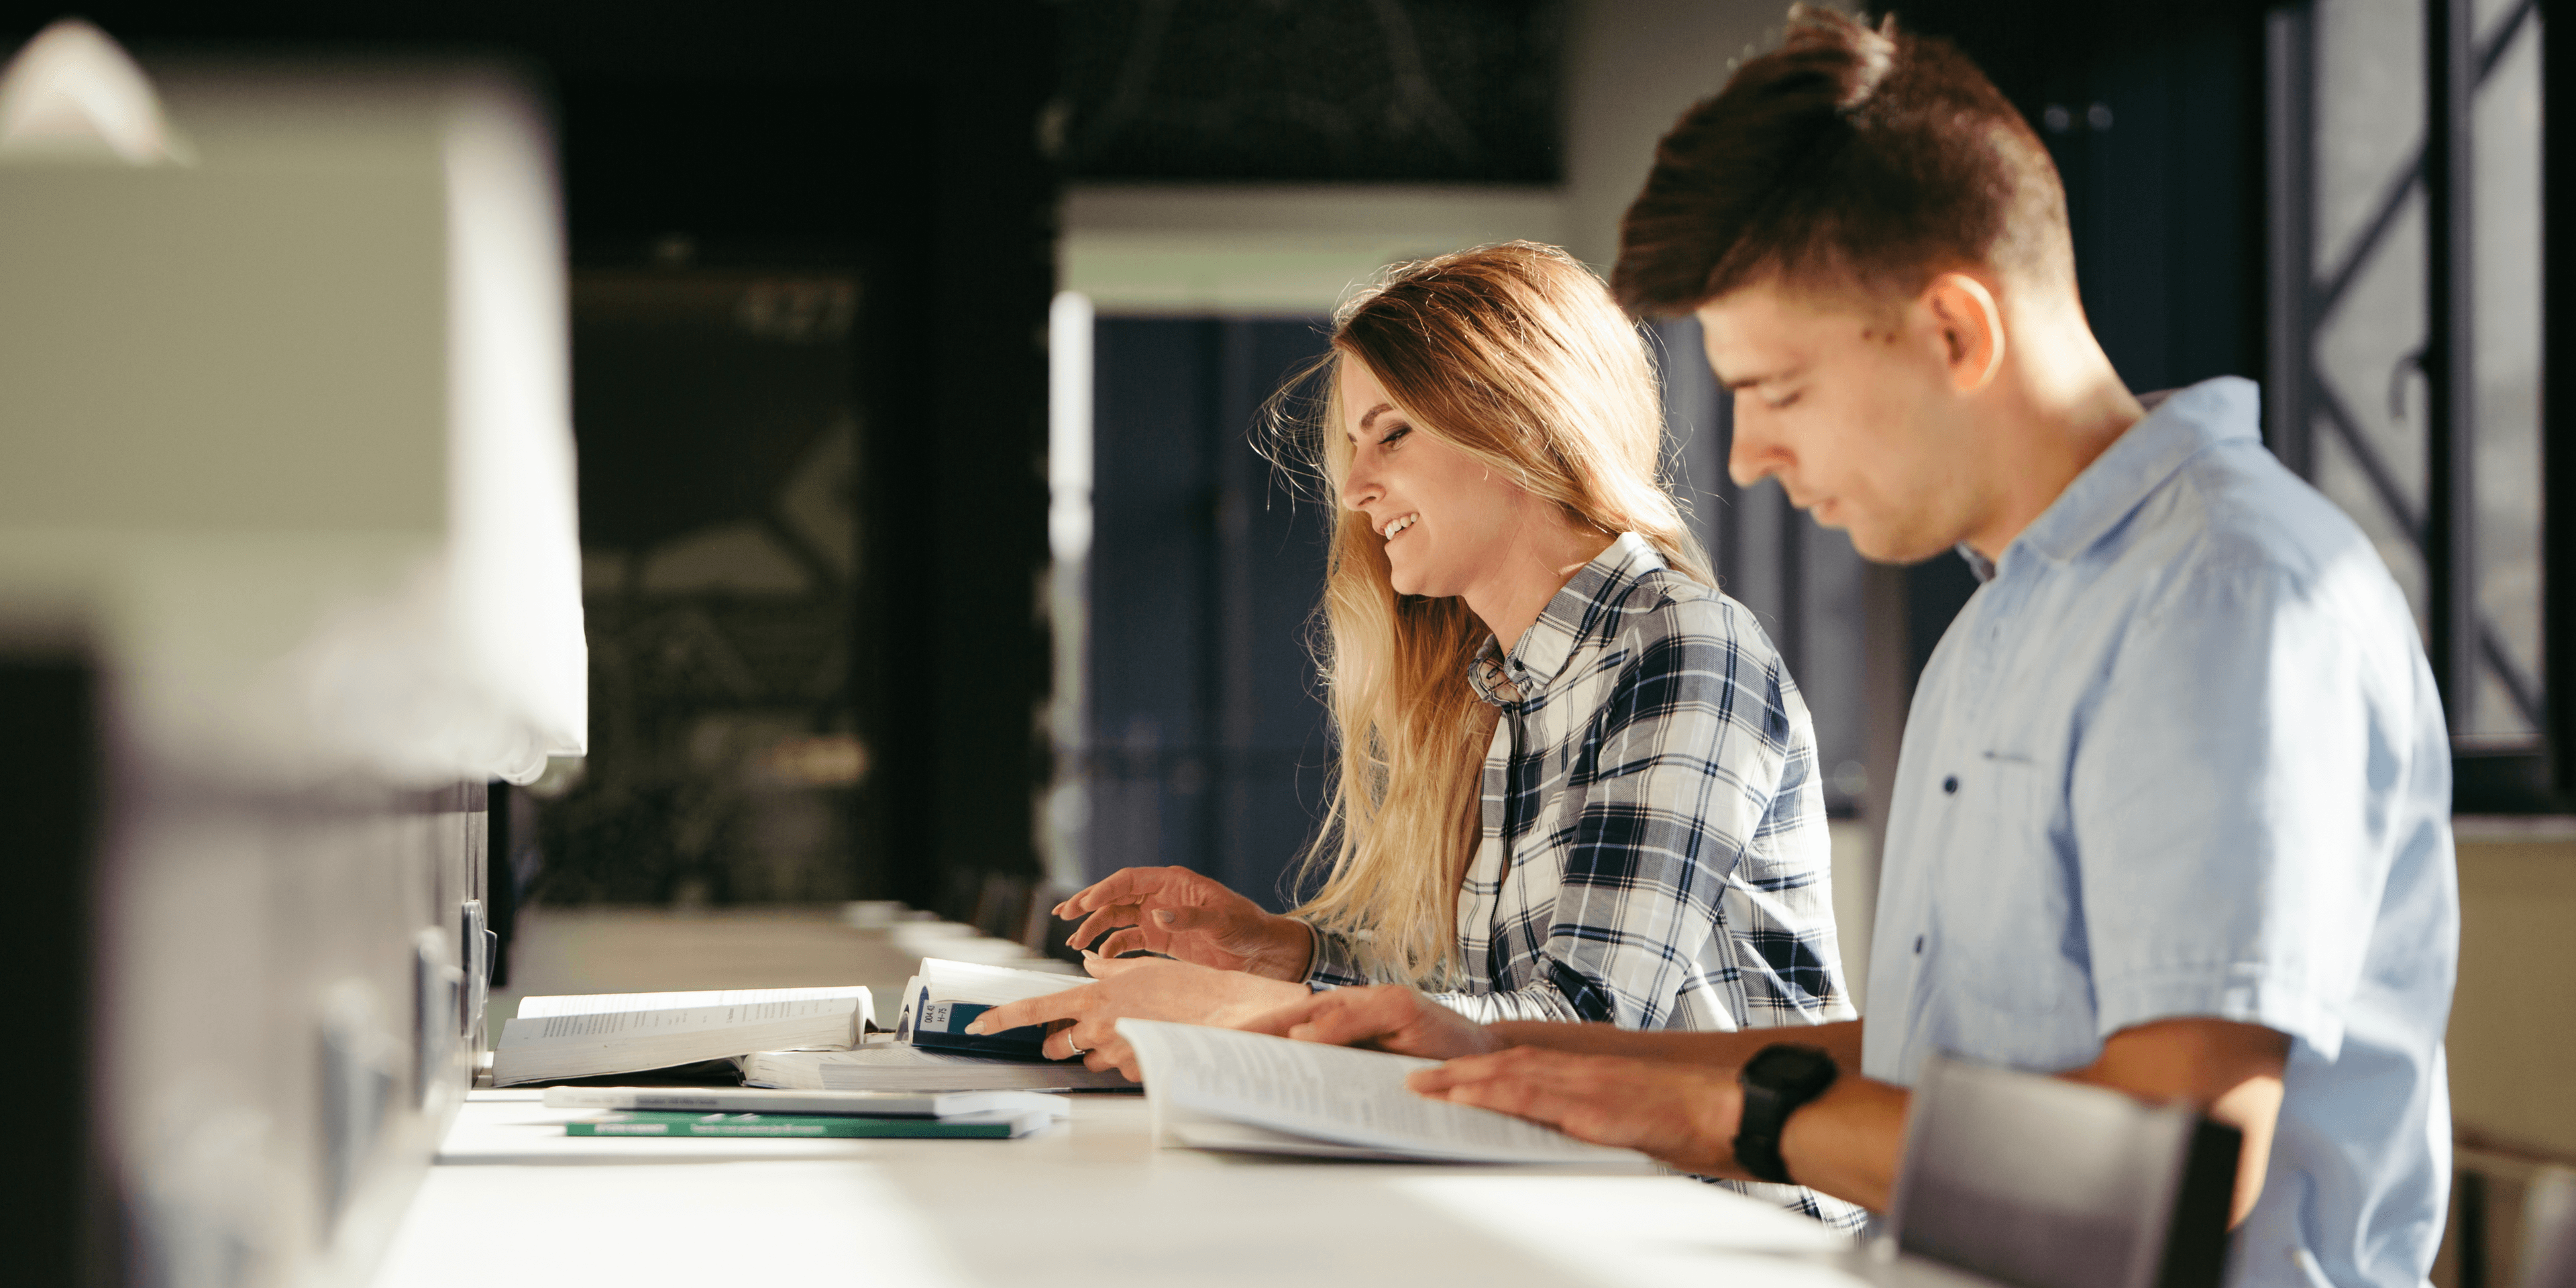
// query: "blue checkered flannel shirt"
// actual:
[[1654, 851]]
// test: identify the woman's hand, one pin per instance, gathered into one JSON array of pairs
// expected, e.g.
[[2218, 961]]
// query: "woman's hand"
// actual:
[[1182, 914], [1384, 1017], [1145, 988]]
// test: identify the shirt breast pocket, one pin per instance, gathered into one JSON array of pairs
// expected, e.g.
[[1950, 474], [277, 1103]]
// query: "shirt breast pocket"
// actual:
[[2012, 942]]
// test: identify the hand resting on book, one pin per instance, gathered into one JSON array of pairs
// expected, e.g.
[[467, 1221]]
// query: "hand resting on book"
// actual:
[[1143, 988], [1685, 1115], [1682, 1114], [1382, 1017]]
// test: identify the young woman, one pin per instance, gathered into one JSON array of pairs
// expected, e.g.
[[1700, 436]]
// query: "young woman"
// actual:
[[1575, 782]]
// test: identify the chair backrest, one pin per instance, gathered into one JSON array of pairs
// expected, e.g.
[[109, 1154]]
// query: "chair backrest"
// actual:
[[2044, 1183], [2549, 1231]]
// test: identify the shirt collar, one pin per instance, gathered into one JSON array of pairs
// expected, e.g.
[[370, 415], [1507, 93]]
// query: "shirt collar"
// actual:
[[1562, 626], [2177, 427]]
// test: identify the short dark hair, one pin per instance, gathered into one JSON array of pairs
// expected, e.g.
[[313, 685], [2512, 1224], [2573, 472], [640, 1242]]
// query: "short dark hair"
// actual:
[[1850, 157]]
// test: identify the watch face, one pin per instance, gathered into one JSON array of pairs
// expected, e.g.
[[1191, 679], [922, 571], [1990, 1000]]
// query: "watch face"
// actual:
[[1790, 1068]]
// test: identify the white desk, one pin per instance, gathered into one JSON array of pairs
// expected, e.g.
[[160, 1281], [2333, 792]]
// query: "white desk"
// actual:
[[1089, 1202]]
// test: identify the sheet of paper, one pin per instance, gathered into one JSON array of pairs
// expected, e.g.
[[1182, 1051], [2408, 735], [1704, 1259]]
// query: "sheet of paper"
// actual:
[[591, 1028], [1338, 1094], [538, 1008]]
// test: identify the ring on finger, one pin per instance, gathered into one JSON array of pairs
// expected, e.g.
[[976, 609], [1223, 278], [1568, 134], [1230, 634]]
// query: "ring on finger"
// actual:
[[1070, 1050]]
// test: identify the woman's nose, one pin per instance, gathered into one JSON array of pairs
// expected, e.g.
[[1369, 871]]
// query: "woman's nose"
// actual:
[[1359, 487]]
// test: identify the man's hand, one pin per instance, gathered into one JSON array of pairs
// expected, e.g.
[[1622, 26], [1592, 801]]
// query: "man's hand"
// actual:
[[1182, 914], [1849, 1142], [1681, 1114], [1385, 1017], [1147, 988]]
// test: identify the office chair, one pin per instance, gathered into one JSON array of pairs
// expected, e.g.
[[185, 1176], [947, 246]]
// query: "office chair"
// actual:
[[2044, 1183]]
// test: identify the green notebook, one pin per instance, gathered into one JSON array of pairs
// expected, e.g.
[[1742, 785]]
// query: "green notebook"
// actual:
[[805, 1126]]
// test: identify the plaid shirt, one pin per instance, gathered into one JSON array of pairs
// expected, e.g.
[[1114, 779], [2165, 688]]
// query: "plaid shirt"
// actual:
[[1654, 851]]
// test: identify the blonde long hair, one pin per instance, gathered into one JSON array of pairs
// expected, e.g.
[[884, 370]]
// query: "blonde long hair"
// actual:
[[1516, 355]]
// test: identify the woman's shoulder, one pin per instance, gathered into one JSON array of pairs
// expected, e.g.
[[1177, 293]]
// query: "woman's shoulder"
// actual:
[[1665, 606]]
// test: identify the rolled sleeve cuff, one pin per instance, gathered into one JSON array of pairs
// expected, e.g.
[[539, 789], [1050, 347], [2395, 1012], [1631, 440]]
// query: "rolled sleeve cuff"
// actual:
[[1333, 964], [2246, 993], [1541, 1002]]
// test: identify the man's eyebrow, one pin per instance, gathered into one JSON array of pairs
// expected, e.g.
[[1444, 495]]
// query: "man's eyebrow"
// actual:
[[1733, 383], [1371, 417]]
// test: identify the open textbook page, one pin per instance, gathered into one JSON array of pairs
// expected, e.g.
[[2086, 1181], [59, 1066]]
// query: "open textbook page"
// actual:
[[1208, 1085], [538, 1008], [885, 1065], [586, 1044]]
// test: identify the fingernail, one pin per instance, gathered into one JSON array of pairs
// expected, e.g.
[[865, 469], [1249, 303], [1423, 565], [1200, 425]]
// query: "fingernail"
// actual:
[[1162, 917], [975, 1026]]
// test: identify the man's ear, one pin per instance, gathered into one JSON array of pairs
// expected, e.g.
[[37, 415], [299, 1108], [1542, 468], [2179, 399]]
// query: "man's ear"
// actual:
[[1971, 327]]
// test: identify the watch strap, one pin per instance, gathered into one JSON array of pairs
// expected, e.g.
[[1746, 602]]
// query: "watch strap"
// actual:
[[1778, 1081]]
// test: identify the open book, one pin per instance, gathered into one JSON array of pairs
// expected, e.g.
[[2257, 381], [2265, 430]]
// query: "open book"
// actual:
[[580, 1037], [1224, 1089], [946, 996]]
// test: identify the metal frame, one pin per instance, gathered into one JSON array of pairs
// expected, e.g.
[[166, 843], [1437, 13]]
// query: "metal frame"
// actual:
[[2558, 415], [2302, 404], [2449, 532]]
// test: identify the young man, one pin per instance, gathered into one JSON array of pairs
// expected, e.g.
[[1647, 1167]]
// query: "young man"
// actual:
[[2172, 810]]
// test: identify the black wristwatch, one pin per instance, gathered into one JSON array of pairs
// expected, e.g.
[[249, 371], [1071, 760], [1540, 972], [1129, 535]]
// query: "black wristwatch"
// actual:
[[1777, 1081]]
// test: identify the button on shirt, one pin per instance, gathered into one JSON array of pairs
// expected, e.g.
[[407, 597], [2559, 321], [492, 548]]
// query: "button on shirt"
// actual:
[[2181, 755], [1654, 848]]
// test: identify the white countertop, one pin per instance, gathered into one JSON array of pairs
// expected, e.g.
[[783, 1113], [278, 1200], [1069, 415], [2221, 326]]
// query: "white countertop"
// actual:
[[1090, 1201]]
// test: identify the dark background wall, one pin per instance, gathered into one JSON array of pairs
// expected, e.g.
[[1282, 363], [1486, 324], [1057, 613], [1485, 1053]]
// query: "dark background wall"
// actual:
[[895, 144], [1210, 748], [2164, 188]]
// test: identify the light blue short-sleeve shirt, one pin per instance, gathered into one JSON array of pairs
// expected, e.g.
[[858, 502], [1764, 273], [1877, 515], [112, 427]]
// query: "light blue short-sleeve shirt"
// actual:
[[2181, 755]]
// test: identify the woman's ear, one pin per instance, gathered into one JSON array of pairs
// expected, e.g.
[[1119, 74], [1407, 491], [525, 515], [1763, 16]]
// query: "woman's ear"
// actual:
[[1972, 329]]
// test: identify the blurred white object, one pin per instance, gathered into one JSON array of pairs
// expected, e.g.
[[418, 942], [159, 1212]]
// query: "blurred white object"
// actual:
[[954, 942], [72, 92], [293, 421]]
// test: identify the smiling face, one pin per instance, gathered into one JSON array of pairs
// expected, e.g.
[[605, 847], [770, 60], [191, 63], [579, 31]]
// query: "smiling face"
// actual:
[[1447, 519], [1855, 411]]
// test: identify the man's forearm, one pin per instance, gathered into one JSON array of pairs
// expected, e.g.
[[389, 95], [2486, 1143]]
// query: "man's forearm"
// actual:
[[1726, 1050], [1849, 1141]]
